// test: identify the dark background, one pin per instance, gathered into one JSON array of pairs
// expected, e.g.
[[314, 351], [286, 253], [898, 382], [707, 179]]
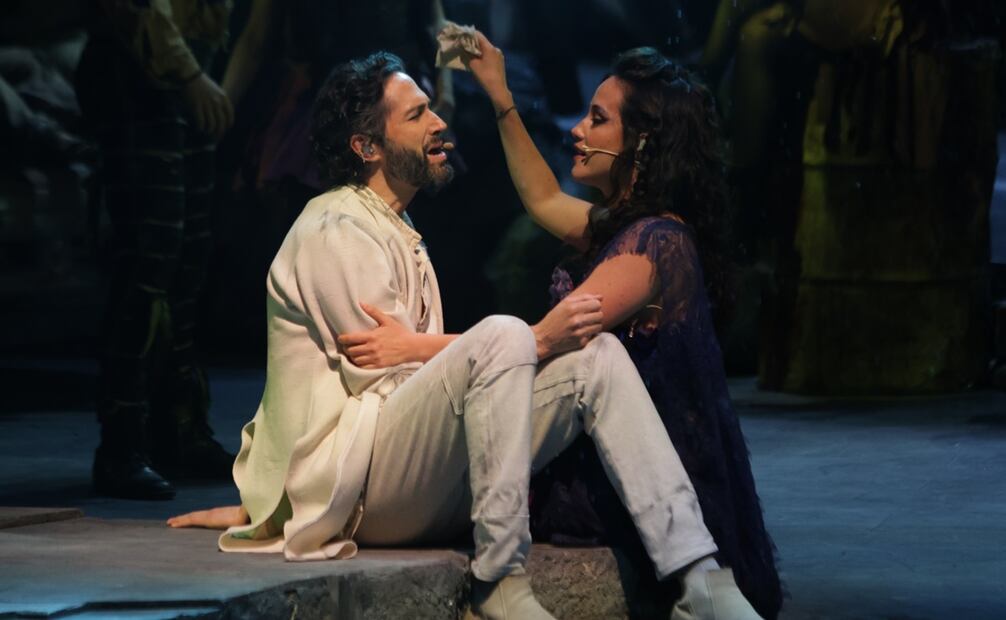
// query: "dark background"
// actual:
[[54, 233]]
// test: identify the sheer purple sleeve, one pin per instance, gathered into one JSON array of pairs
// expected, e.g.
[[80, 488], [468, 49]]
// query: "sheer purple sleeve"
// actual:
[[562, 285], [669, 246]]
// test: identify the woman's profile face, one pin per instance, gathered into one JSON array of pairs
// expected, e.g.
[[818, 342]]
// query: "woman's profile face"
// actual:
[[601, 128]]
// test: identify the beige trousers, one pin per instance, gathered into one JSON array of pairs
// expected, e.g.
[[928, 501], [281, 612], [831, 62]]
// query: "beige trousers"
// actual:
[[457, 442]]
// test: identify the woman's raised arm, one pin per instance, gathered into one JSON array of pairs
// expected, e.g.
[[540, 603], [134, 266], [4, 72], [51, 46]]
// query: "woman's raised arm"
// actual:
[[557, 212]]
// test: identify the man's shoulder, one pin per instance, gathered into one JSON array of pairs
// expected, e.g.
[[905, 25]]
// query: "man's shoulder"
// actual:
[[337, 218], [342, 199], [338, 207]]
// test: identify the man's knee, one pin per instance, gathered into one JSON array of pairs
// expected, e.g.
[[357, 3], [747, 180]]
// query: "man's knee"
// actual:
[[606, 356], [596, 354], [507, 331], [606, 344]]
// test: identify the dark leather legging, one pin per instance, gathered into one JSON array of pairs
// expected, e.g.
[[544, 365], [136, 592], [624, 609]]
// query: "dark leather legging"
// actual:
[[156, 183]]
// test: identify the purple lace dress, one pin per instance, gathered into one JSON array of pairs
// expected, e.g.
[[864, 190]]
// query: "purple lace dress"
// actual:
[[673, 345]]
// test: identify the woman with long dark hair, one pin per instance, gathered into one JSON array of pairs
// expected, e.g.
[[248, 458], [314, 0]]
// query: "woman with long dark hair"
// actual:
[[653, 247]]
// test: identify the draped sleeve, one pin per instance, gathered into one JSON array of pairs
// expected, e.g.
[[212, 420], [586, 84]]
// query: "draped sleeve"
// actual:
[[669, 247]]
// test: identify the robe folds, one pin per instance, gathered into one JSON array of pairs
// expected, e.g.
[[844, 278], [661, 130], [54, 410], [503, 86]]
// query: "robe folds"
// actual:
[[304, 457]]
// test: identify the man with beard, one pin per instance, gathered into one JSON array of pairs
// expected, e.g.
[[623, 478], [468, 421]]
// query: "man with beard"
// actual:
[[376, 427]]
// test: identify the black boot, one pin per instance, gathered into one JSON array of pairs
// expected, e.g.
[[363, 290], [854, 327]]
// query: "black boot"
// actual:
[[121, 467], [182, 442]]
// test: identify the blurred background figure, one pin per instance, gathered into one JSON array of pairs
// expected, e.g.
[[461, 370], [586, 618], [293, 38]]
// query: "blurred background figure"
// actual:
[[38, 109], [156, 115], [45, 166], [863, 149]]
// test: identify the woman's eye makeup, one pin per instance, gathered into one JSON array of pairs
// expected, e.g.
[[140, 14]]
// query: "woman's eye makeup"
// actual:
[[597, 116]]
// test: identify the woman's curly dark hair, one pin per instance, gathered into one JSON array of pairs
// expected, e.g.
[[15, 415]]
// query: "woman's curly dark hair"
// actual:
[[350, 102], [681, 167]]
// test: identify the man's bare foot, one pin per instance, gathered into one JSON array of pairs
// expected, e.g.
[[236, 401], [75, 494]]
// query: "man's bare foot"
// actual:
[[214, 519]]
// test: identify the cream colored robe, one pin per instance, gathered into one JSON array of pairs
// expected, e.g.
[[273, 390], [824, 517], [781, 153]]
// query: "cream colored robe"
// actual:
[[304, 457]]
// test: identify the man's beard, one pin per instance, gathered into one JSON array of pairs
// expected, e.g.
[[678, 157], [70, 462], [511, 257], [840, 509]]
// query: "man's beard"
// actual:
[[415, 169]]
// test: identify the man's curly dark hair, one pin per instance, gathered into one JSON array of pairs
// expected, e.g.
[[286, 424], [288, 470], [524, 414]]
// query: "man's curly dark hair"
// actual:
[[351, 101]]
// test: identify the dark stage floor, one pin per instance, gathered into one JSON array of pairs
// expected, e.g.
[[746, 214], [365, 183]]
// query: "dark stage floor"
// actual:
[[887, 509]]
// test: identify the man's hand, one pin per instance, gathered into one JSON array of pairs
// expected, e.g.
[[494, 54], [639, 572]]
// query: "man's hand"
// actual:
[[388, 344], [570, 325], [215, 519], [208, 105]]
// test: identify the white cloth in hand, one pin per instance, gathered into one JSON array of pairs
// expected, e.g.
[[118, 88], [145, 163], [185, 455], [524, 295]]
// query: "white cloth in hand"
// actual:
[[456, 43]]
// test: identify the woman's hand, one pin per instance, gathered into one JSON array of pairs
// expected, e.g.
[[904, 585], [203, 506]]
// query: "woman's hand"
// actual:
[[215, 519], [570, 325], [388, 344], [490, 72]]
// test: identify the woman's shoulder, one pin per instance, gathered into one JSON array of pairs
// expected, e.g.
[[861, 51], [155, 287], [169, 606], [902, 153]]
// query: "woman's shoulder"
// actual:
[[652, 233], [656, 224]]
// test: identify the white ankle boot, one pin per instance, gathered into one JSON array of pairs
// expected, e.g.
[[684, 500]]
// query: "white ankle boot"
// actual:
[[714, 595], [509, 598]]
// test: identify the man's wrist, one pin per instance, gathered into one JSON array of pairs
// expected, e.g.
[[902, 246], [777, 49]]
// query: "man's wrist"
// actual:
[[419, 348]]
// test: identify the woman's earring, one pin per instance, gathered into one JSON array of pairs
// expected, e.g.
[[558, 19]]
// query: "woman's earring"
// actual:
[[637, 160], [639, 148]]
